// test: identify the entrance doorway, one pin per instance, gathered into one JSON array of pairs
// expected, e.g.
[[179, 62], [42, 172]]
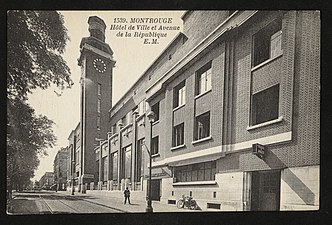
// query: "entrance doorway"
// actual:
[[265, 195], [155, 189]]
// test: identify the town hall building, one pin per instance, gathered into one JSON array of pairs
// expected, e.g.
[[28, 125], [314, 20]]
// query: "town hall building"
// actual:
[[230, 112]]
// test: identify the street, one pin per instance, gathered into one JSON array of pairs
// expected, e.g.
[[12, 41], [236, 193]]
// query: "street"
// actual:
[[50, 202], [62, 202]]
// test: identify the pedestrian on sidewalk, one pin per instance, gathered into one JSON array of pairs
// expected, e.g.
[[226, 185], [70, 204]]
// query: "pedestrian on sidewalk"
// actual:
[[127, 195]]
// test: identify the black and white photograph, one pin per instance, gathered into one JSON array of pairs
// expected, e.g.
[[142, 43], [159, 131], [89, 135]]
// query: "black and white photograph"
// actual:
[[158, 111]]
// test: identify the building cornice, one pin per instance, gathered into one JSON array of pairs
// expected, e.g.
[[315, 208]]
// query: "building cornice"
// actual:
[[235, 20]]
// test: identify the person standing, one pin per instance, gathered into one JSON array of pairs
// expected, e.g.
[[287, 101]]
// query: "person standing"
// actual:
[[127, 195]]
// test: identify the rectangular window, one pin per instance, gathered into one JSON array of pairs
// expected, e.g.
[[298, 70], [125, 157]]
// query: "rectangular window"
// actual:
[[267, 42], [129, 118], [203, 83], [202, 126], [98, 105], [265, 105], [147, 107], [99, 89], [114, 166], [196, 172], [178, 135], [98, 122], [127, 161], [113, 129], [155, 109], [179, 95], [105, 168], [155, 145], [141, 108], [139, 170], [276, 44]]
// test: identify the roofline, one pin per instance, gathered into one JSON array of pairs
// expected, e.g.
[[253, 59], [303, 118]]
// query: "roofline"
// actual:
[[73, 130], [180, 34], [185, 14], [195, 49]]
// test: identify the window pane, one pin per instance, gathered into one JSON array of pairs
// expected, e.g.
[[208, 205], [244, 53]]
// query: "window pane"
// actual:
[[208, 79], [204, 79], [207, 165], [207, 174], [178, 176], [183, 179], [155, 145], [267, 43], [213, 173], [147, 106], [200, 175], [188, 175], [179, 95], [202, 126], [178, 133], [276, 44], [195, 172], [194, 175], [115, 166], [155, 109], [139, 171], [127, 163], [105, 168], [265, 105], [202, 83]]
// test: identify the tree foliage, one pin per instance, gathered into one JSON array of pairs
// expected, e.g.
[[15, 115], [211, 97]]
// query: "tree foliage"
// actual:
[[35, 42]]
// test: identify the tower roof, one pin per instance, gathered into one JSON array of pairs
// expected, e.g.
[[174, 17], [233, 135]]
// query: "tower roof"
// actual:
[[97, 27]]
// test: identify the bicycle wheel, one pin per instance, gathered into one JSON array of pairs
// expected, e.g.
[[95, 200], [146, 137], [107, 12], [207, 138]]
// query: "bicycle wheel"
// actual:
[[180, 204]]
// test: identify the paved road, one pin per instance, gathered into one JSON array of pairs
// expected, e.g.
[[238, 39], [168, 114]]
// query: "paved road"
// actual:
[[50, 202]]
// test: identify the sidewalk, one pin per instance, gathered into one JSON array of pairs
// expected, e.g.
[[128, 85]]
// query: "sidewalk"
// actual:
[[115, 199]]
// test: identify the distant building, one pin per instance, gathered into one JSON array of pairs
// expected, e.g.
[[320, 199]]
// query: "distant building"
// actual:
[[60, 169], [236, 99], [46, 181]]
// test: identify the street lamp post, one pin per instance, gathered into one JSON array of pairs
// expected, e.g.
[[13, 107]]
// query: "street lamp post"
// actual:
[[151, 117]]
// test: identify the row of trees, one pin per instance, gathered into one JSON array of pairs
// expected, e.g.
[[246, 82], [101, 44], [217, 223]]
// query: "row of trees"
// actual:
[[35, 42]]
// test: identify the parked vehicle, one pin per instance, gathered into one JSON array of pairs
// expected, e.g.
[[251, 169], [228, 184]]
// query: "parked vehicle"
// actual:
[[187, 201]]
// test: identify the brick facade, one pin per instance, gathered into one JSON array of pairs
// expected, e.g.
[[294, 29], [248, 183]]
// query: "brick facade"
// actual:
[[291, 139]]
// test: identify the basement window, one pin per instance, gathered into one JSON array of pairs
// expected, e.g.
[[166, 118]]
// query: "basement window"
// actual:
[[213, 206]]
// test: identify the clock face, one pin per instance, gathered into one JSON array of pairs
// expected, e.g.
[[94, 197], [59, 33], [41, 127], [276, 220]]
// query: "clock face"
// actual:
[[99, 65]]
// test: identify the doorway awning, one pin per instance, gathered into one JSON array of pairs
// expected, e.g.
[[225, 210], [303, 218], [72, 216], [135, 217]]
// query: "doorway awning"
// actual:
[[200, 159]]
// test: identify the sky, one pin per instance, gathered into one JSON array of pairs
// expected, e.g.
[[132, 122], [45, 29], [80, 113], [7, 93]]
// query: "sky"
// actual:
[[132, 57]]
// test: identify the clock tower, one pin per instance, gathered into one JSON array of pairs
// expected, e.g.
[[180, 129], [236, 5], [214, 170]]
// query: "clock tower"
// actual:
[[96, 62]]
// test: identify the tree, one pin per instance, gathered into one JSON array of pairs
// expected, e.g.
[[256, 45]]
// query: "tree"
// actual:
[[27, 136], [35, 42]]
